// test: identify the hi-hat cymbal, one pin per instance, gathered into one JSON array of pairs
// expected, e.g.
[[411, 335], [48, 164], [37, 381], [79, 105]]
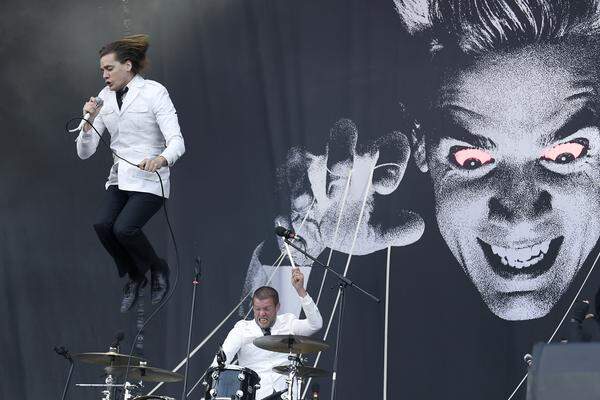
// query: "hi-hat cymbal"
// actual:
[[145, 373], [290, 344], [107, 359], [301, 371]]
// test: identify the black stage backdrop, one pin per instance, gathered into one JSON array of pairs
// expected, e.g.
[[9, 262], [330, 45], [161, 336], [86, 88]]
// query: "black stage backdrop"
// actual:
[[258, 85]]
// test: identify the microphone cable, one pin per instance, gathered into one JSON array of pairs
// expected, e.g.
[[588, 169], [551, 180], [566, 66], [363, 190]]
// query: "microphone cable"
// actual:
[[177, 266]]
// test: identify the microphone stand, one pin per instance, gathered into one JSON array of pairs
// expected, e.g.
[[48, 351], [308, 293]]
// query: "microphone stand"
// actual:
[[344, 282], [195, 283], [65, 353]]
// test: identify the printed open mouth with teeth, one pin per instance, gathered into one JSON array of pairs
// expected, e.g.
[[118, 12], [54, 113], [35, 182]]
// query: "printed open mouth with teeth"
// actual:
[[525, 262]]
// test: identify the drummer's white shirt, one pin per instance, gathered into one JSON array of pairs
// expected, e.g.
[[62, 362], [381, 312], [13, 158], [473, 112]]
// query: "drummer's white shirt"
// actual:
[[239, 341]]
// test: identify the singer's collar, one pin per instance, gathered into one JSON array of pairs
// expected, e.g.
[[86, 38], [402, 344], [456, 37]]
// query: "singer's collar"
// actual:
[[136, 81]]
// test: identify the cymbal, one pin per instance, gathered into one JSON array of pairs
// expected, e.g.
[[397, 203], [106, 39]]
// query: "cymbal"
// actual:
[[107, 359], [290, 344], [145, 373], [301, 371]]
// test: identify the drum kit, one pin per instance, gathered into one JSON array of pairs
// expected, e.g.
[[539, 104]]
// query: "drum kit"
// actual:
[[223, 382], [230, 382]]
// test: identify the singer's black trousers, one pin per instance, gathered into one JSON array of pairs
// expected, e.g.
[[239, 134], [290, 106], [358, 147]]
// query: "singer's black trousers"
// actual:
[[119, 227]]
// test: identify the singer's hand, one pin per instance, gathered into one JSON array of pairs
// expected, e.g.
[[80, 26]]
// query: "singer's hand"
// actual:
[[151, 165], [93, 109], [298, 281]]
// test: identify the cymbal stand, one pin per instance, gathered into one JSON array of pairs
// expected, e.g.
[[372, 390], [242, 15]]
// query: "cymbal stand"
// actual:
[[132, 390], [110, 385], [344, 282], [61, 351], [109, 391], [292, 378]]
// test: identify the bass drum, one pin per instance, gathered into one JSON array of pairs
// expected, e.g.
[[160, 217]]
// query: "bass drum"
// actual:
[[154, 398], [230, 382]]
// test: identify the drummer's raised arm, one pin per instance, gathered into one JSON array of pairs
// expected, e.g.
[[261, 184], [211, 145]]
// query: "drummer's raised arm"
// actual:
[[313, 321]]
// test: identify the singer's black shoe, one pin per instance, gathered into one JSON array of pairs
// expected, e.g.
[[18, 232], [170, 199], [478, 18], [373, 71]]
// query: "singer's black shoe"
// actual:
[[160, 281], [130, 293]]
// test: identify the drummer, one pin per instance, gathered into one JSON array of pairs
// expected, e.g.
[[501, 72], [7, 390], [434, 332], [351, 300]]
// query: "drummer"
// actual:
[[265, 305]]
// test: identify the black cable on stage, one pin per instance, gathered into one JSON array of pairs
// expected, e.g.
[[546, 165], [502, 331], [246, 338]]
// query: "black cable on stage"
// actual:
[[177, 266]]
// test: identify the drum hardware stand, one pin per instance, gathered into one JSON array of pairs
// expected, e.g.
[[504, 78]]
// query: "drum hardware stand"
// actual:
[[139, 322], [195, 283], [295, 361], [110, 390], [132, 390], [105, 393], [344, 282], [61, 351]]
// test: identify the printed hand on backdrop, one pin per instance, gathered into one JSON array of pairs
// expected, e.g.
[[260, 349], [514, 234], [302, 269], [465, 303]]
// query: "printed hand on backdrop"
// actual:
[[330, 190], [321, 190]]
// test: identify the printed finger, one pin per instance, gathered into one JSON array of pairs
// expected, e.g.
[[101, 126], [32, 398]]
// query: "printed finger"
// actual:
[[394, 153], [402, 230], [341, 147], [296, 182]]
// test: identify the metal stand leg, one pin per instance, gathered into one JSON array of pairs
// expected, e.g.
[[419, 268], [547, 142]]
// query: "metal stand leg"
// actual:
[[139, 322], [337, 341]]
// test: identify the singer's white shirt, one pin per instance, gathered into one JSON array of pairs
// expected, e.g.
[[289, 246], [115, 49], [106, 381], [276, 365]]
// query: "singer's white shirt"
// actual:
[[239, 341], [146, 126]]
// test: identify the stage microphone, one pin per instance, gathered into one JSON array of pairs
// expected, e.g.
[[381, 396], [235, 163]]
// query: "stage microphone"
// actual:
[[315, 391], [118, 339], [62, 351], [288, 233], [221, 357], [99, 103]]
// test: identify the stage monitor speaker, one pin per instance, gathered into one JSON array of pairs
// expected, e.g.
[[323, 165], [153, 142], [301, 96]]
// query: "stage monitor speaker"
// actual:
[[567, 371]]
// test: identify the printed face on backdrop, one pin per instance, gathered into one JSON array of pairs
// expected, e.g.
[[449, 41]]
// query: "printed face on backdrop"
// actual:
[[515, 159]]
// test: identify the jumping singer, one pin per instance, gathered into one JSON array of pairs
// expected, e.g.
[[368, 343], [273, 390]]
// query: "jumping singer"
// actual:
[[143, 127]]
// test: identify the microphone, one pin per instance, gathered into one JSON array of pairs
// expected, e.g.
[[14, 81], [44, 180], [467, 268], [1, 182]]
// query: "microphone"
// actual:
[[99, 103], [118, 338], [221, 357], [62, 351], [197, 269], [288, 233], [315, 391]]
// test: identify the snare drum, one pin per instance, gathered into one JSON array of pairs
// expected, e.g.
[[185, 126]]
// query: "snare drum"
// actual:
[[230, 383]]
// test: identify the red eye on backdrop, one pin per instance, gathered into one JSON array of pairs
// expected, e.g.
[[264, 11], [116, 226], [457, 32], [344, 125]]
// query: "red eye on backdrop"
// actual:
[[469, 157], [565, 153]]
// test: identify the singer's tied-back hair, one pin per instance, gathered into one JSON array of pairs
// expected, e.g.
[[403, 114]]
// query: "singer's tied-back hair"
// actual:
[[130, 48]]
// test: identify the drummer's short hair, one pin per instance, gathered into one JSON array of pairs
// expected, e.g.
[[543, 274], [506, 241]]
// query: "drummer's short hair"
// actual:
[[266, 292]]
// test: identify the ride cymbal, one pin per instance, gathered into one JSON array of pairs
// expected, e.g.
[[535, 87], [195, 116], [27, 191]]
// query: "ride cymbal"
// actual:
[[301, 371], [290, 344], [145, 373], [108, 359]]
